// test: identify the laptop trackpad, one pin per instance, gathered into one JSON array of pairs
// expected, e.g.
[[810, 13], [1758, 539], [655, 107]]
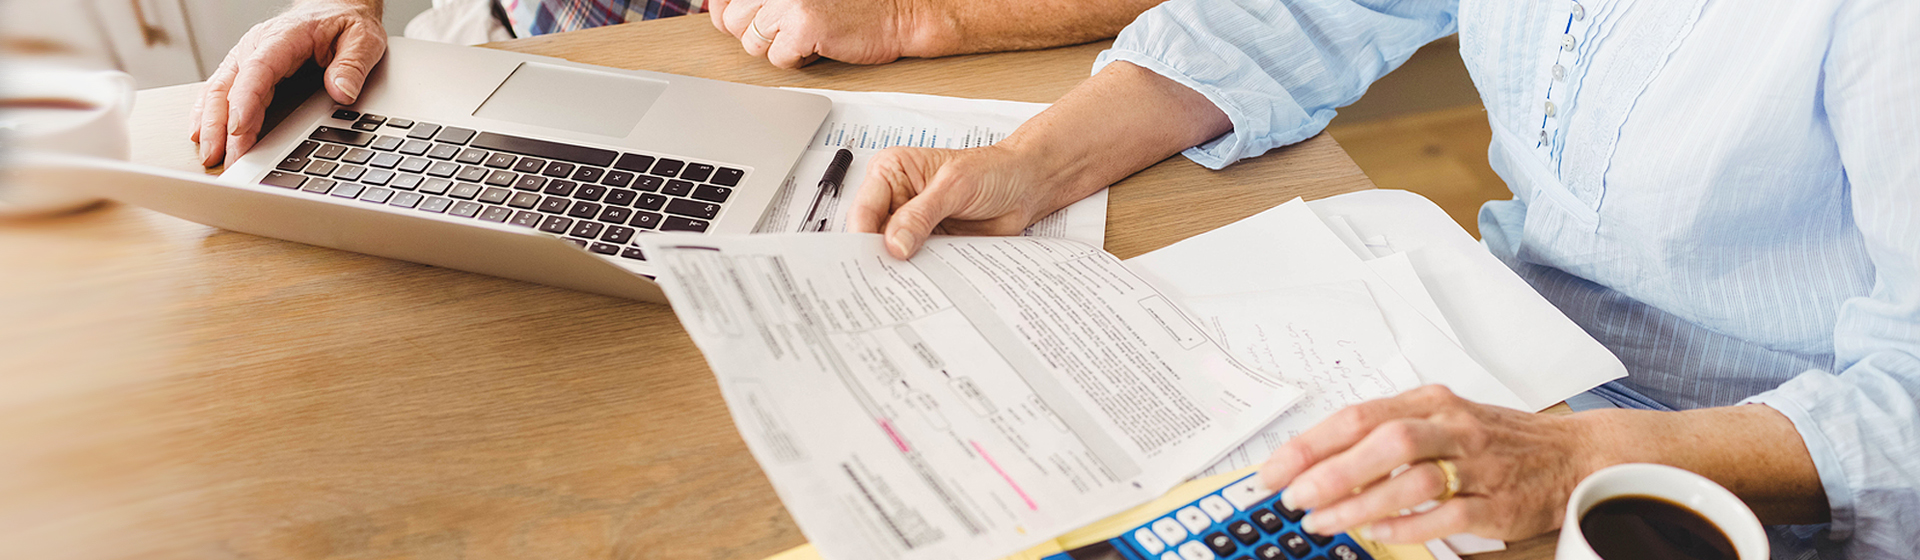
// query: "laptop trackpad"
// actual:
[[572, 99]]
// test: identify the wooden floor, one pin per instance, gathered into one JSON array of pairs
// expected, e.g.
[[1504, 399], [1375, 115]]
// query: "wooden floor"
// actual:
[[1440, 154]]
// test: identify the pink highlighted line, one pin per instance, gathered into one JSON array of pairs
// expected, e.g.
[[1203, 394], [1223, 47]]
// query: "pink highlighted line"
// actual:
[[897, 442], [1003, 475]]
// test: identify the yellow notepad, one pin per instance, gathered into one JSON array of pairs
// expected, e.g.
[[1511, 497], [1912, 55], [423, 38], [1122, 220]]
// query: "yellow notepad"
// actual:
[[1113, 526]]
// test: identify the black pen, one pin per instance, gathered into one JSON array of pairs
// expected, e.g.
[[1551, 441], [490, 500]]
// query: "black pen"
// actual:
[[829, 183]]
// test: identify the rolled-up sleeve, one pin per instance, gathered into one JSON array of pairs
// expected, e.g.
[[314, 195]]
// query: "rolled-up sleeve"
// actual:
[[1277, 68], [1861, 422]]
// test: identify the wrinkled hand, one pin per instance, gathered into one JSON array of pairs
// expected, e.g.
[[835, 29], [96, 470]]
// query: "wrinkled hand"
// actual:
[[345, 36], [852, 31], [979, 191], [1516, 469]]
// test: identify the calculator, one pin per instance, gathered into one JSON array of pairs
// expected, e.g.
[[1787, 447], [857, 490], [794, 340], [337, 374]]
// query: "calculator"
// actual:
[[1240, 521]]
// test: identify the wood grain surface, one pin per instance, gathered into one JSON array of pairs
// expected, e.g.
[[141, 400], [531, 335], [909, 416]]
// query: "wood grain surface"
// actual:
[[175, 391]]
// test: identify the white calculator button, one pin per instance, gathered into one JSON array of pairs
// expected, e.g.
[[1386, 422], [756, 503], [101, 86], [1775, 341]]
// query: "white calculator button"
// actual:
[[1170, 555], [1193, 550], [1217, 508], [1246, 493], [1170, 531], [1193, 519], [1147, 541]]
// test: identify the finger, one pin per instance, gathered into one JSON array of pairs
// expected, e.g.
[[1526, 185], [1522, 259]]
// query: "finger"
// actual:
[[739, 14], [252, 90], [1333, 435], [1463, 514], [874, 201], [1419, 484], [213, 116], [357, 50], [910, 226], [717, 9], [753, 42], [193, 117], [1393, 443], [789, 51]]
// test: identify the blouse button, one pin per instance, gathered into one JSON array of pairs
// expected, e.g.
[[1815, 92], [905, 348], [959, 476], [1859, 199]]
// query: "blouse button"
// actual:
[[1566, 42], [1559, 72], [1543, 137], [1579, 12], [1550, 108]]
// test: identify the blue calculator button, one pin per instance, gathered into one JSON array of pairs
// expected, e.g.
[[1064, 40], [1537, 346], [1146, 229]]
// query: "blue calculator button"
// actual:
[[1193, 519], [1295, 545], [1217, 508], [1220, 543], [1344, 552], [1169, 531], [1244, 531], [1148, 541], [1321, 540], [1268, 520], [1193, 550], [1268, 552], [1292, 516]]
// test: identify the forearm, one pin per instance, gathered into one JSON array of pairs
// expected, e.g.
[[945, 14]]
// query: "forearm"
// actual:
[[973, 26], [1752, 450], [1116, 123]]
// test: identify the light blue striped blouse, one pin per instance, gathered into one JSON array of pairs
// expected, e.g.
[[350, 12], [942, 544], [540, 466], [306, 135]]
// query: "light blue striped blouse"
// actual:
[[1721, 192]]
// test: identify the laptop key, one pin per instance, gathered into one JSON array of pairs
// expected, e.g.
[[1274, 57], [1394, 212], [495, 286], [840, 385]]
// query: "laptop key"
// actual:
[[697, 172], [676, 187], [372, 118], [618, 235], [305, 149], [495, 195], [634, 162], [556, 224], [604, 248], [414, 164], [466, 209], [405, 199], [330, 151], [530, 183], [283, 179], [415, 147], [358, 156], [376, 195], [501, 178], [590, 192], [529, 165], [524, 201], [559, 169], [443, 151], [436, 186], [617, 178], [349, 172], [645, 220], [676, 223], [341, 136], [634, 253], [347, 190], [499, 160], [587, 229], [443, 169], [583, 209], [472, 156], [667, 167], [454, 135], [648, 183], [621, 197], [472, 174], [555, 205], [405, 182], [346, 114], [385, 160], [524, 218], [368, 126], [423, 131], [684, 207], [542, 148], [294, 164], [400, 123], [318, 186], [588, 174], [581, 243], [727, 177], [497, 214], [650, 201], [560, 187], [321, 168], [387, 143], [712, 193], [464, 191], [616, 214]]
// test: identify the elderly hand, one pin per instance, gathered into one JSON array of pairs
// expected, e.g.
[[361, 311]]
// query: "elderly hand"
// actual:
[[791, 33], [1515, 469], [991, 190], [345, 36]]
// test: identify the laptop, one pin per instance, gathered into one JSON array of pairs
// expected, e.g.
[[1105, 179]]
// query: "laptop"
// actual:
[[450, 147]]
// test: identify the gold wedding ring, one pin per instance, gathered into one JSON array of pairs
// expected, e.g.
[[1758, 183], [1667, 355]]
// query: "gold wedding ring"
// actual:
[[1452, 475], [754, 28]]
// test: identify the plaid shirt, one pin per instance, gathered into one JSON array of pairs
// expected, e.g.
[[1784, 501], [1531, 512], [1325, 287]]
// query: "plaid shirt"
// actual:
[[539, 17]]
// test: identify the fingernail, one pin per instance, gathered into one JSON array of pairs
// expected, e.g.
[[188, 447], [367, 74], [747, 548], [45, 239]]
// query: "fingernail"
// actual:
[[898, 242], [352, 91], [1374, 532], [1297, 495], [1318, 523]]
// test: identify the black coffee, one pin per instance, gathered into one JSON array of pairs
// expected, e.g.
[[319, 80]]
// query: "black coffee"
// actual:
[[1649, 528]]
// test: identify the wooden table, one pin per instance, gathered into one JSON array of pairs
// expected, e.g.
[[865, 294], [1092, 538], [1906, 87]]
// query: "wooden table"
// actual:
[[173, 391]]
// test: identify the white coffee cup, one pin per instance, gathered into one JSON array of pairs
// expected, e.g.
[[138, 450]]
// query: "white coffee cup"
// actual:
[[65, 110], [1679, 486]]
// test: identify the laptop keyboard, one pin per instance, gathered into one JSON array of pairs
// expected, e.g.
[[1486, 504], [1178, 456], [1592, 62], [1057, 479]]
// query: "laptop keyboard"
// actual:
[[596, 198]]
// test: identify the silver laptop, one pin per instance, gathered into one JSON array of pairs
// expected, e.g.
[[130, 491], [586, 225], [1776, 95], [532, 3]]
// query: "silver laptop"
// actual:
[[453, 146]]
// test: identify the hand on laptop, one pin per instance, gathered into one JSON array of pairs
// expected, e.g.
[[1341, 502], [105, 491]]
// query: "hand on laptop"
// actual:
[[345, 36], [792, 33]]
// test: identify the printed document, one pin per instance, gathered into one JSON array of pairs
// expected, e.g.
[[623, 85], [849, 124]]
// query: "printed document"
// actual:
[[976, 400], [866, 122]]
